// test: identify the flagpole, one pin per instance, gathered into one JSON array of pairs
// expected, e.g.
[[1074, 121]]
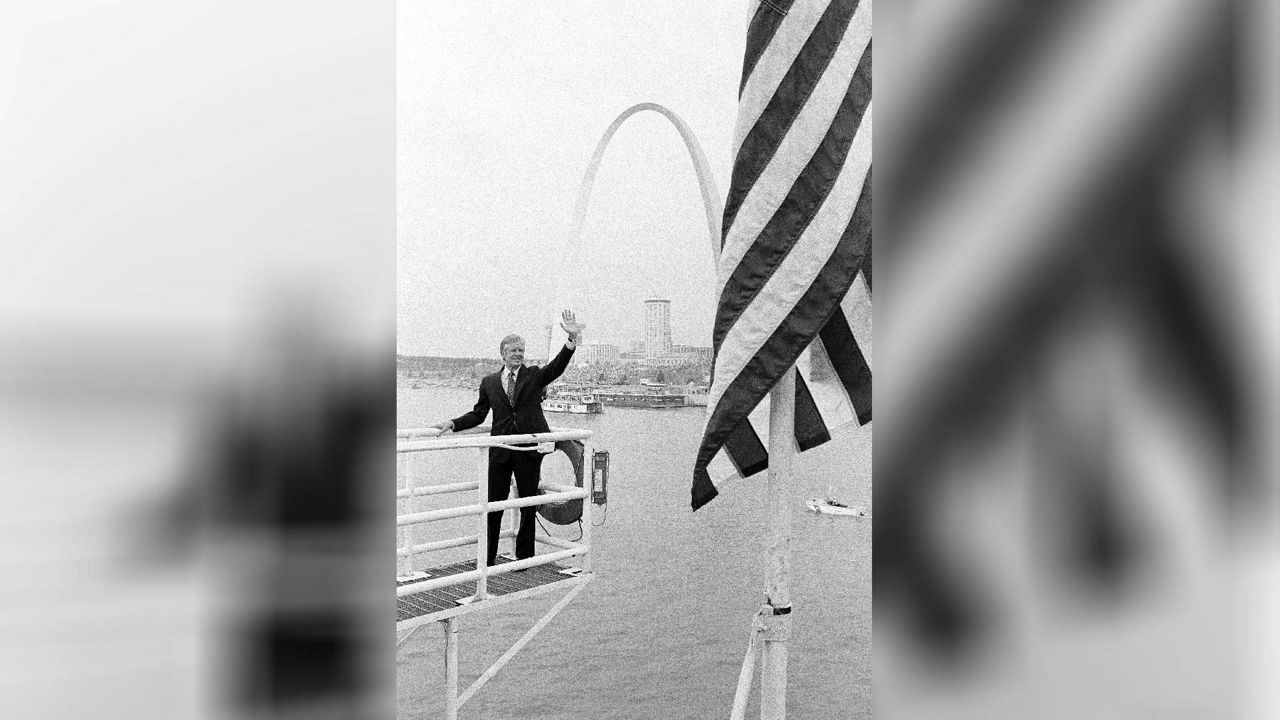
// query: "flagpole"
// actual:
[[777, 582]]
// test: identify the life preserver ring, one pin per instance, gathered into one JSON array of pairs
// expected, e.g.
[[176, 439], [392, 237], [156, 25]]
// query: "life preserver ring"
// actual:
[[568, 511]]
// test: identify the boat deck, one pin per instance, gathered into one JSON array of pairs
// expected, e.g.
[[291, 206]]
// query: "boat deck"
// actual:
[[444, 602]]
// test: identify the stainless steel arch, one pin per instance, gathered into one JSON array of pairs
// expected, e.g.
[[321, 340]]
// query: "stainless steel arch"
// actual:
[[711, 202]]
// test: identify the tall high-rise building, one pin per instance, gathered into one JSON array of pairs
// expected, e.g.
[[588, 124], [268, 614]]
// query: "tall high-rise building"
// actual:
[[657, 327]]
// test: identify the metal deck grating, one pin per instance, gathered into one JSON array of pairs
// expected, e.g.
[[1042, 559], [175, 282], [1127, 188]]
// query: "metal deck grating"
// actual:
[[446, 598]]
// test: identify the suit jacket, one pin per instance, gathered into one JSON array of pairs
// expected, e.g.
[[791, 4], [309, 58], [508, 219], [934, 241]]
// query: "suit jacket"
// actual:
[[526, 414]]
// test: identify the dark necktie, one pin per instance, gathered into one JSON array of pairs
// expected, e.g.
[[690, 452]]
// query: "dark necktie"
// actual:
[[511, 388]]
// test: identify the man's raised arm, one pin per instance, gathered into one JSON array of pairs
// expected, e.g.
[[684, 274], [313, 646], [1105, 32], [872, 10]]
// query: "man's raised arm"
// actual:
[[556, 367]]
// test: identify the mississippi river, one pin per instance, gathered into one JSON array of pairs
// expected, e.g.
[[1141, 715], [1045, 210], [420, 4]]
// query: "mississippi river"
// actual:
[[661, 632]]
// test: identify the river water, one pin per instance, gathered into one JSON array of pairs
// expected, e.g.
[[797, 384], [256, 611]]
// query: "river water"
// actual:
[[662, 630]]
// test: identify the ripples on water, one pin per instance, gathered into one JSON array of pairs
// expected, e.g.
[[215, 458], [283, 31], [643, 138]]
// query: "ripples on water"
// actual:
[[661, 631]]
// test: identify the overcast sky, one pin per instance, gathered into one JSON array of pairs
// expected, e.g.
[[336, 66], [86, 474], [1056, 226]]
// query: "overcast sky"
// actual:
[[500, 107]]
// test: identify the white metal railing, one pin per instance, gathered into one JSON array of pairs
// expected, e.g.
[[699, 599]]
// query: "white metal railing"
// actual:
[[432, 440]]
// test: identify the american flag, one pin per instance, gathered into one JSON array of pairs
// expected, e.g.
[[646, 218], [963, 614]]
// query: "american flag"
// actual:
[[794, 269]]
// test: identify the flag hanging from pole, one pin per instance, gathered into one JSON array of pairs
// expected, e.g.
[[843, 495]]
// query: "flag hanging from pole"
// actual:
[[794, 270]]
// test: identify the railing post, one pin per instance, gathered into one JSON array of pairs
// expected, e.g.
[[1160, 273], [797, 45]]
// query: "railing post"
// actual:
[[451, 668], [401, 533], [415, 533], [588, 484], [482, 536], [514, 520]]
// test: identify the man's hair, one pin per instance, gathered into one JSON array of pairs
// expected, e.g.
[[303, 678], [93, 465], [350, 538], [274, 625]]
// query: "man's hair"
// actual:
[[512, 338]]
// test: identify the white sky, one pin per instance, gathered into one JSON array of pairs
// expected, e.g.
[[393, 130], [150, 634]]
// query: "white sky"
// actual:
[[500, 106], [168, 168]]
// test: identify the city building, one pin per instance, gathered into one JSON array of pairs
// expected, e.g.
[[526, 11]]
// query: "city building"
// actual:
[[592, 353], [657, 327], [691, 354]]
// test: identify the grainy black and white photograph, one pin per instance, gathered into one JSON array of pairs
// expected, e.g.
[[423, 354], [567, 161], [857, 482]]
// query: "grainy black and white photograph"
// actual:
[[556, 317], [634, 360]]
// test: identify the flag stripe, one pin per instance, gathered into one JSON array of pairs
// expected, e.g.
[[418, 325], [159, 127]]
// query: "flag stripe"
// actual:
[[849, 364], [834, 409], [828, 392], [756, 264], [764, 25], [810, 429], [866, 270], [746, 450], [742, 455], [807, 316], [857, 312], [722, 469], [704, 490], [788, 102], [776, 59], [797, 272], [796, 237], [747, 212], [759, 420]]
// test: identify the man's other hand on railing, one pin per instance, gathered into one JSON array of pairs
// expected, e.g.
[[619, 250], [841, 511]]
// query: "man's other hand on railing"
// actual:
[[444, 427]]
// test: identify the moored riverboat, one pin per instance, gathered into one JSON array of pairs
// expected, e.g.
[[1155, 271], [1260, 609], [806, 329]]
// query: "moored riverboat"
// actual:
[[573, 403]]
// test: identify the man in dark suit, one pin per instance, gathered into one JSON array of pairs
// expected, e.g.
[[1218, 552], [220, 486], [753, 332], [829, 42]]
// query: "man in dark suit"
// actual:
[[515, 395]]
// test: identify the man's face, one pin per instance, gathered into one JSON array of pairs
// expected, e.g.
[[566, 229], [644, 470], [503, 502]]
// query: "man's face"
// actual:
[[513, 354]]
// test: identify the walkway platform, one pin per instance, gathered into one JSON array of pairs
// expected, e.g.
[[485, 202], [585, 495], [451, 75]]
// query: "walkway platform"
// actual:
[[445, 602]]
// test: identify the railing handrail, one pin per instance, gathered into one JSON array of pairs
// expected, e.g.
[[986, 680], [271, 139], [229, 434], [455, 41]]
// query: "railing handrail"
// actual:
[[422, 439], [410, 433], [455, 441], [446, 489], [577, 493]]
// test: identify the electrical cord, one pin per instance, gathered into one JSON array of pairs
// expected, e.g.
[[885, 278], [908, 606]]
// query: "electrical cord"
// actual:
[[548, 532]]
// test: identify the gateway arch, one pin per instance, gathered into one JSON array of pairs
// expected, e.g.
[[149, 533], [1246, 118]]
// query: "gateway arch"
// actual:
[[711, 202]]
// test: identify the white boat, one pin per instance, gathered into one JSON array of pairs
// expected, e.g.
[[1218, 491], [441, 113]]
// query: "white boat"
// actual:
[[577, 404], [831, 506]]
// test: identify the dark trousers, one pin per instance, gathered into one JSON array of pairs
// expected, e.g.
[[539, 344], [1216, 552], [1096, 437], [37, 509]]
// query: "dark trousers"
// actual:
[[527, 467]]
